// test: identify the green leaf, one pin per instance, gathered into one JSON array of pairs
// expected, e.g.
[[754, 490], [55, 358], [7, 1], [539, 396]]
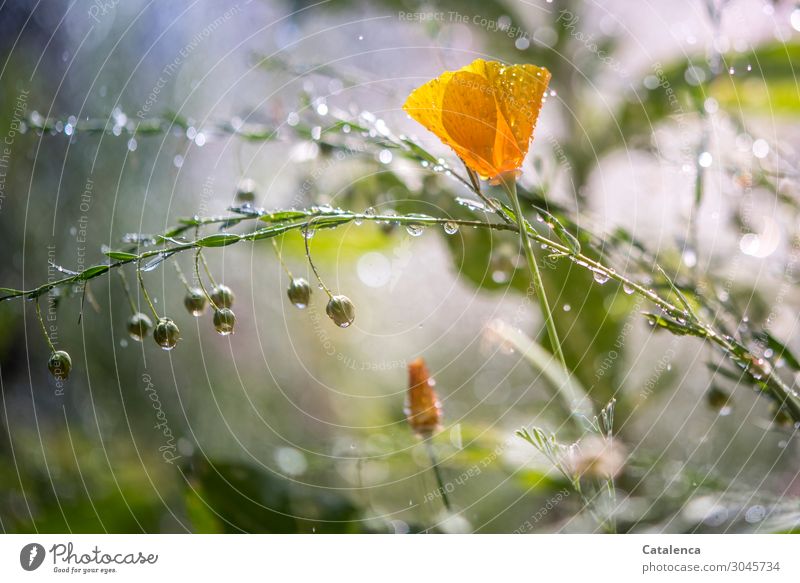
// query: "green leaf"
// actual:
[[673, 325], [780, 350], [420, 153], [280, 216], [92, 272], [566, 386], [568, 239], [219, 240], [121, 255]]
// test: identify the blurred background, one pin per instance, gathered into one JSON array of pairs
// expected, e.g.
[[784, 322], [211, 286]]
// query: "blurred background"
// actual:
[[670, 132]]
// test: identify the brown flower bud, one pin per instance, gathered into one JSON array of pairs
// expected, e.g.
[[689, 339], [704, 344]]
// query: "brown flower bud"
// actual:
[[423, 409]]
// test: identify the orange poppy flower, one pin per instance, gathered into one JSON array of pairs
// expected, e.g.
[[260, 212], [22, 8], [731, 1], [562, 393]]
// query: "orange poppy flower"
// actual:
[[486, 112], [423, 409]]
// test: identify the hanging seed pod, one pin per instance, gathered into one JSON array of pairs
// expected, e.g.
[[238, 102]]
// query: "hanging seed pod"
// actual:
[[224, 321], [719, 400], [166, 333], [138, 326], [341, 310], [195, 301], [246, 190], [222, 296], [423, 409], [780, 416], [60, 365], [299, 292]]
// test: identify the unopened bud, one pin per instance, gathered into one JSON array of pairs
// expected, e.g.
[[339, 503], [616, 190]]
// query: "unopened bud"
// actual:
[[222, 296], [166, 333], [138, 326], [299, 292], [246, 190], [341, 310], [224, 320], [423, 409], [60, 365], [195, 301]]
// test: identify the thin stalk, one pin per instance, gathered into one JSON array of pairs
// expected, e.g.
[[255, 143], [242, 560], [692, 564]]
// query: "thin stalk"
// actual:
[[206, 269], [280, 259], [44, 328], [198, 256], [729, 346], [510, 186], [182, 277], [437, 473], [146, 295], [311, 262], [126, 288]]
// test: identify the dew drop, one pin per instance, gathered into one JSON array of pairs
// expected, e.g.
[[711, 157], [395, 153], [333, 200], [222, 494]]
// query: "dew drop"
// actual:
[[385, 156], [370, 212], [500, 276], [450, 228], [415, 230], [566, 307], [600, 277], [308, 233], [627, 288]]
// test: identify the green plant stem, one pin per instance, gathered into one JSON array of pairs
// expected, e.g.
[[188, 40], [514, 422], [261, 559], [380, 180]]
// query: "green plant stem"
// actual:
[[437, 473], [510, 186], [206, 269], [198, 256], [182, 277], [146, 295], [768, 379], [305, 232], [280, 259], [126, 288], [44, 328]]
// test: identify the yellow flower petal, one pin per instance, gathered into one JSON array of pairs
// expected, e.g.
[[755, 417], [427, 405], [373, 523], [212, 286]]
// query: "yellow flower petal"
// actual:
[[486, 112]]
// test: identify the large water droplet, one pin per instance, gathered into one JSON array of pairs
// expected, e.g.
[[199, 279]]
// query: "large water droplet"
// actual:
[[450, 228], [600, 277], [415, 230], [627, 288]]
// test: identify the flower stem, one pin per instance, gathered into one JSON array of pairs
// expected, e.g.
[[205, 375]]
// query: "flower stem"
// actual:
[[198, 256], [280, 259], [437, 473], [305, 233], [510, 186], [44, 328], [127, 290], [146, 295]]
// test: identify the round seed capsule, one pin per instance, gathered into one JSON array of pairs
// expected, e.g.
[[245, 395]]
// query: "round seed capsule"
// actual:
[[246, 190], [195, 301], [780, 416], [138, 326], [222, 296], [224, 320], [341, 310], [299, 292], [60, 365], [166, 333], [717, 398]]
